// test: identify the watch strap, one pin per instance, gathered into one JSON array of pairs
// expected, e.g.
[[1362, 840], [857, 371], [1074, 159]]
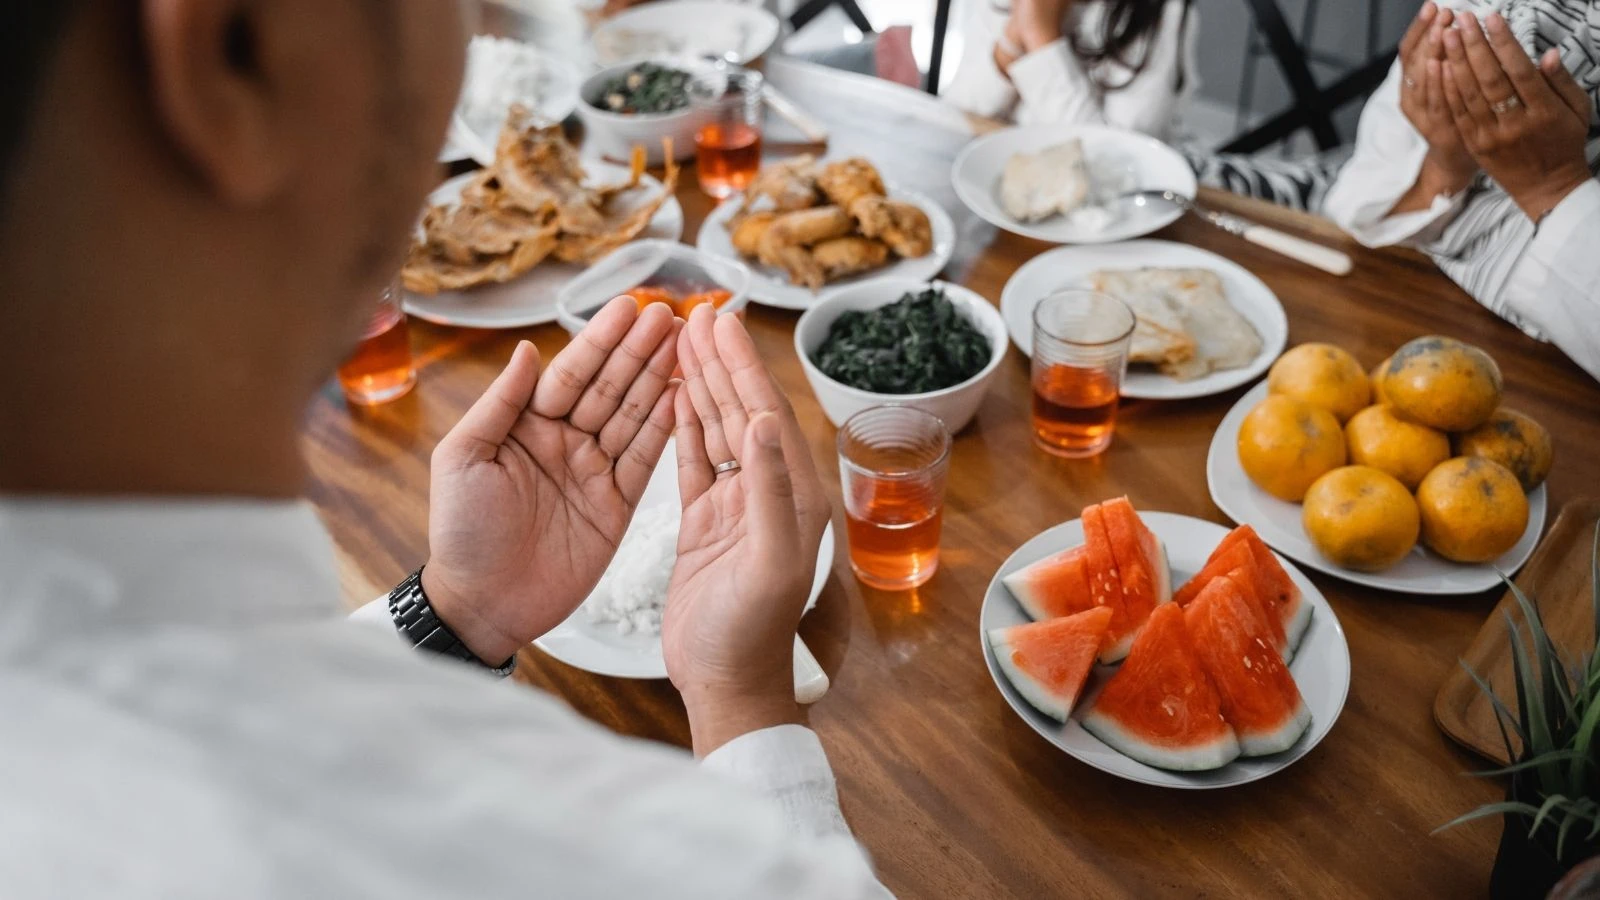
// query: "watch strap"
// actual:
[[416, 621]]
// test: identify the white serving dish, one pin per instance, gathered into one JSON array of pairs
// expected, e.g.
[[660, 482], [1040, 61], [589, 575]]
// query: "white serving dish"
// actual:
[[614, 135], [955, 405], [668, 263]]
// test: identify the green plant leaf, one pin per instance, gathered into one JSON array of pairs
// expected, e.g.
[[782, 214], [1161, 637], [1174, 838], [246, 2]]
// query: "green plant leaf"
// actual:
[[1582, 741], [1503, 807], [1550, 804], [1502, 715], [1594, 583], [1525, 764]]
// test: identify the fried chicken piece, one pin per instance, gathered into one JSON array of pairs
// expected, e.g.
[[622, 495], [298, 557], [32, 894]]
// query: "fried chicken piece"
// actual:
[[789, 185], [798, 262], [903, 226], [810, 226], [847, 180], [747, 229], [844, 256], [427, 272], [538, 168]]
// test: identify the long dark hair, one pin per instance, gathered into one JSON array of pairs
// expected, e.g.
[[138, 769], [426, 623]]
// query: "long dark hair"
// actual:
[[1126, 29]]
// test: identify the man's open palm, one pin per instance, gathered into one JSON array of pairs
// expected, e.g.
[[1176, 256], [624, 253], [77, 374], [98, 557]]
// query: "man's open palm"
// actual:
[[533, 489]]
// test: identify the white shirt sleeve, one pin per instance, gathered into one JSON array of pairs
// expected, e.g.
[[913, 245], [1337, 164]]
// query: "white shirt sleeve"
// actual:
[[978, 86], [1054, 86], [1387, 159], [1556, 283], [787, 764]]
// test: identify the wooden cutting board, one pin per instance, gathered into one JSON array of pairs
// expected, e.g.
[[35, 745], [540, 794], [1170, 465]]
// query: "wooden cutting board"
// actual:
[[1557, 579]]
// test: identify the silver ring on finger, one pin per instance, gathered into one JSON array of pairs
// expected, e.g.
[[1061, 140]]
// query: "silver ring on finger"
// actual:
[[731, 465], [1506, 105], [1411, 83]]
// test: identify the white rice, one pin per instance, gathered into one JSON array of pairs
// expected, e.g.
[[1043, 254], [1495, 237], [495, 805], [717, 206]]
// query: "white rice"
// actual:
[[633, 591], [503, 71]]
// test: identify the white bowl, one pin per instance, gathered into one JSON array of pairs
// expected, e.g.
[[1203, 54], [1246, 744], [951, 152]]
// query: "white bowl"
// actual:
[[653, 261], [955, 405], [614, 135], [738, 32]]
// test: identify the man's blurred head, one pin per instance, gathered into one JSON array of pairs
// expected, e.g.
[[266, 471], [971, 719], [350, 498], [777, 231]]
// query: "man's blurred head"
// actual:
[[199, 200]]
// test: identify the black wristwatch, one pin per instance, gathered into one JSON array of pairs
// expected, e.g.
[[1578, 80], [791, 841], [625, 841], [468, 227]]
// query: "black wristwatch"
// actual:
[[416, 621]]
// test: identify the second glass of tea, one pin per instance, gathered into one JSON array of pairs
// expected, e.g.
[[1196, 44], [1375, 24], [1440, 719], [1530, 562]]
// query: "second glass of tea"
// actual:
[[892, 466], [380, 369], [1080, 355], [728, 145]]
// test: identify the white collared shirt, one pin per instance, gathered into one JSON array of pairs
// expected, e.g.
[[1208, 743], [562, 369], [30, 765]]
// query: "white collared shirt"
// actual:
[[185, 713]]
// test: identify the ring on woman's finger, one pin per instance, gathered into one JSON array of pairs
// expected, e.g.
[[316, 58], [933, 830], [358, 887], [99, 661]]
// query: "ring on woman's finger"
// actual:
[[1411, 83], [1506, 105], [731, 465]]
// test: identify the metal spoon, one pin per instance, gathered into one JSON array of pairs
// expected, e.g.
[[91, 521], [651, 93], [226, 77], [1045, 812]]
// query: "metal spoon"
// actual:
[[1312, 254]]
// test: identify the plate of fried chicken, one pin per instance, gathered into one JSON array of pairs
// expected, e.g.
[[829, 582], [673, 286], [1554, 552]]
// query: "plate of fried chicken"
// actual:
[[495, 246], [807, 227]]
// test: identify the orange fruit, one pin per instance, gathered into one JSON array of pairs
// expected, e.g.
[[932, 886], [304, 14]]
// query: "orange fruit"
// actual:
[[1443, 383], [1378, 438], [1322, 375], [1473, 509], [1376, 377], [1515, 441], [1361, 518], [1285, 444]]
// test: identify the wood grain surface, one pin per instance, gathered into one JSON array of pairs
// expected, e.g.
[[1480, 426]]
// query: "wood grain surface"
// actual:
[[953, 795]]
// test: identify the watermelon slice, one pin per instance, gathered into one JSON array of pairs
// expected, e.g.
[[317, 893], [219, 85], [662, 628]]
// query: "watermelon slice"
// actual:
[[1048, 662], [1054, 586], [1105, 585], [1160, 708], [1141, 560], [1259, 697], [1239, 564], [1242, 548]]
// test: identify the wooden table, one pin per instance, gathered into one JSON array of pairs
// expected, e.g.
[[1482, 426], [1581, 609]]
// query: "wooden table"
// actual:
[[950, 791]]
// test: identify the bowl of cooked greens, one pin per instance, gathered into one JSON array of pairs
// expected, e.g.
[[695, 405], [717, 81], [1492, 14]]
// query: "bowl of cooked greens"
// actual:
[[642, 103], [931, 345]]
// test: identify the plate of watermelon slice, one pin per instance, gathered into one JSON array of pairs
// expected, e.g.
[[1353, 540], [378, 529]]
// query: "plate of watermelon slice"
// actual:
[[1165, 649]]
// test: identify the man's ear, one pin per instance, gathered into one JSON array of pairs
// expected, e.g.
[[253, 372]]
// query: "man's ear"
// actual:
[[215, 96]]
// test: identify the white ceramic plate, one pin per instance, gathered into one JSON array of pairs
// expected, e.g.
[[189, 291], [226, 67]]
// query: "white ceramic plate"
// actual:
[[1066, 267], [531, 299], [1118, 160], [770, 287], [1279, 524], [550, 91], [739, 32], [600, 648], [1321, 667]]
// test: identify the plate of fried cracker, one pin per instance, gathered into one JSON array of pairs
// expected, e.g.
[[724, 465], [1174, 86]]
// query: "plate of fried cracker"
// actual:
[[495, 246], [807, 228], [1204, 324]]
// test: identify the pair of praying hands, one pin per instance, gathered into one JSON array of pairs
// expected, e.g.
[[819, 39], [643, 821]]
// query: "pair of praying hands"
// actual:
[[1482, 104], [533, 489]]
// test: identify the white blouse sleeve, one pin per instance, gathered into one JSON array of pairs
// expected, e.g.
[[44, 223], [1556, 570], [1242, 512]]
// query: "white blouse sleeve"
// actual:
[[1385, 164], [1556, 284], [1054, 86]]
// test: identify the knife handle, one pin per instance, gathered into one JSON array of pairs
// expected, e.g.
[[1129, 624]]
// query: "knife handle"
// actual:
[[789, 111], [810, 682], [1312, 254]]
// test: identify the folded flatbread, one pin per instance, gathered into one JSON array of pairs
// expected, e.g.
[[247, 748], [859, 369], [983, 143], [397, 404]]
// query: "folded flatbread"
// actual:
[[1054, 181], [1185, 325]]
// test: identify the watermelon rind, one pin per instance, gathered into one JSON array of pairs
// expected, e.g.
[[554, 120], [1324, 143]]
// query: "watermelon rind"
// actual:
[[1041, 698], [1266, 743], [1117, 652], [1296, 626], [1197, 758], [1017, 584], [1163, 574]]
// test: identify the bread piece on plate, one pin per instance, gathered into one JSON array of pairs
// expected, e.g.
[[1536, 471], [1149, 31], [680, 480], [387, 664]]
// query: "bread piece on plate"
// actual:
[[1054, 181], [1160, 334], [1224, 339]]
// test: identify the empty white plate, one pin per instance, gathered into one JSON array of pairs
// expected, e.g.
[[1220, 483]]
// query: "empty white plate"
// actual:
[[1069, 267], [600, 648], [1321, 666], [771, 287], [737, 32], [1118, 160], [531, 299], [1279, 524]]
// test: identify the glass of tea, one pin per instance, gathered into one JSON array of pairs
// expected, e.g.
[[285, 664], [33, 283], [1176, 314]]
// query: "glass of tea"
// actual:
[[380, 370], [892, 465], [728, 145], [1080, 355]]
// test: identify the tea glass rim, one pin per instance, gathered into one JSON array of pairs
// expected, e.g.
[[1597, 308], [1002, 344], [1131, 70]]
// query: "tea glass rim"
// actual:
[[905, 475], [1039, 327], [724, 75]]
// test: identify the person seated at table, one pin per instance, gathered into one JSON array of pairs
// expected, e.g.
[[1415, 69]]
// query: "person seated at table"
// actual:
[[1481, 150], [1126, 63], [193, 229]]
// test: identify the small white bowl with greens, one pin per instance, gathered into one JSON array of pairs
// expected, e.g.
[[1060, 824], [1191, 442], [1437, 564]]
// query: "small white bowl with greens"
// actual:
[[637, 104], [934, 346]]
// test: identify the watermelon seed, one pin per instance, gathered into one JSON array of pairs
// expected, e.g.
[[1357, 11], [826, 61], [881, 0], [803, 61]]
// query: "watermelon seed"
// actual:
[[1247, 662]]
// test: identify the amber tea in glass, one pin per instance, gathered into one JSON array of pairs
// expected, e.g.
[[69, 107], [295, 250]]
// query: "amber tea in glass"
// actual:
[[1080, 355], [728, 145], [892, 465], [380, 370]]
